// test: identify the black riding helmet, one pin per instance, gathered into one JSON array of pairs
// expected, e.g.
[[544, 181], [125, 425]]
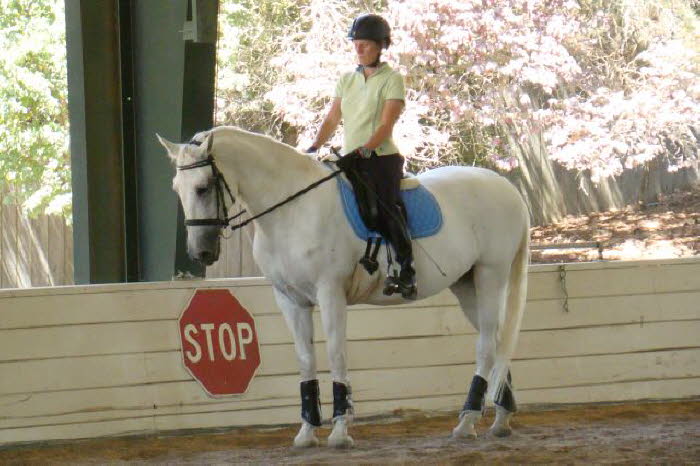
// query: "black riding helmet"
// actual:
[[371, 27]]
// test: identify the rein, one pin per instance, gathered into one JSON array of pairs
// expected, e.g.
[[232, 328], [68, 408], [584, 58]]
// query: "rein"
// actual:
[[225, 222], [285, 201]]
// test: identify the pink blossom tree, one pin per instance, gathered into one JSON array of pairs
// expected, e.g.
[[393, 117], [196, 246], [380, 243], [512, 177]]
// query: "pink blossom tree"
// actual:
[[605, 85]]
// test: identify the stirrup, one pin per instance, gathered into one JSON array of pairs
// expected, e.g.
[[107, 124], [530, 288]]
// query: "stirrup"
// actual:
[[390, 286], [369, 261], [393, 284]]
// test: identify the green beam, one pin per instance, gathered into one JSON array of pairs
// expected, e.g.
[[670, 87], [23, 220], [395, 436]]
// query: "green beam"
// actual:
[[135, 67], [175, 98], [96, 147]]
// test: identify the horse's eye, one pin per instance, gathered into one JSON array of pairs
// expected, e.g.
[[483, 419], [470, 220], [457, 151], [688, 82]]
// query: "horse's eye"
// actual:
[[202, 190]]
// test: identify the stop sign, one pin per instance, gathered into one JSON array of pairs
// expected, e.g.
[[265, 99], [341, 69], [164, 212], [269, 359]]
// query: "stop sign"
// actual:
[[219, 342]]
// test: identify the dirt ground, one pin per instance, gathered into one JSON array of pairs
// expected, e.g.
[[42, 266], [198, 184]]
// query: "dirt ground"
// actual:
[[667, 228], [642, 433]]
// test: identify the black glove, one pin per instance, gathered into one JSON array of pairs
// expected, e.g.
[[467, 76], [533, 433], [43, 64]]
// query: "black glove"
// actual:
[[348, 162]]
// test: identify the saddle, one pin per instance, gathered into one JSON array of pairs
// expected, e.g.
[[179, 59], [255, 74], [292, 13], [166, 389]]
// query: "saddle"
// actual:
[[367, 202], [421, 210]]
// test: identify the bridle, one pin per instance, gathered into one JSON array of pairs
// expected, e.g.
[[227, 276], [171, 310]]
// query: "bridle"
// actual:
[[224, 221]]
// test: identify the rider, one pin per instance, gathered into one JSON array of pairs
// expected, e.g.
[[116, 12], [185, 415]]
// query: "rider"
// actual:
[[369, 100]]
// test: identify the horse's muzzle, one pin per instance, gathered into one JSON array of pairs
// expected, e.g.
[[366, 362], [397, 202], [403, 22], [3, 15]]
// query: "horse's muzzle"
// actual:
[[206, 257], [204, 244]]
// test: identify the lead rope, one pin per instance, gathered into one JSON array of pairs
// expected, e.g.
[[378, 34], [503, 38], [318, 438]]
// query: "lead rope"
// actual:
[[562, 282]]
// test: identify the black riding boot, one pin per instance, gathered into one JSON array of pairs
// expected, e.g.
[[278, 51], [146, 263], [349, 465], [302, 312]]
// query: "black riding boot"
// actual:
[[398, 236]]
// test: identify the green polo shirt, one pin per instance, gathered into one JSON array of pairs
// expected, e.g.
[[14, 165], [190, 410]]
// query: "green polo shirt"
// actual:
[[362, 104]]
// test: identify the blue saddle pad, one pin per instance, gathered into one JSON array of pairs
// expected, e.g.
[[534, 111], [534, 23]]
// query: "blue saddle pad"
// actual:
[[424, 215]]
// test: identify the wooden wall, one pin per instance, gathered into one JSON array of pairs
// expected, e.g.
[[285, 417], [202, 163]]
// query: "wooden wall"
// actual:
[[236, 257], [34, 251], [91, 361]]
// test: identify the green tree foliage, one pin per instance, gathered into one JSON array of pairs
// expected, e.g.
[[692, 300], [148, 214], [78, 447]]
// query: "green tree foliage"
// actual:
[[34, 157], [253, 31]]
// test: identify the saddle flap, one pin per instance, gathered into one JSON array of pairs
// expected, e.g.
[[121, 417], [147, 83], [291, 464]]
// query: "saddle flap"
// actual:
[[424, 214]]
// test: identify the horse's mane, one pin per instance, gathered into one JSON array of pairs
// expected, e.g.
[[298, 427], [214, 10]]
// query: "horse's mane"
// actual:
[[268, 143]]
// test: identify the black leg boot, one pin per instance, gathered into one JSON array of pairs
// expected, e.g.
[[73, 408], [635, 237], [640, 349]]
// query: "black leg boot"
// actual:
[[310, 402], [506, 402], [397, 230], [505, 398], [342, 400], [472, 410]]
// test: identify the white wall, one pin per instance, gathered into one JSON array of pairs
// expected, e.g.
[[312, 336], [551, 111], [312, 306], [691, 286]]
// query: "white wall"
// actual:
[[89, 361]]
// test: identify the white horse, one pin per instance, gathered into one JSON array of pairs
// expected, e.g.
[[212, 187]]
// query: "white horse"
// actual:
[[309, 252]]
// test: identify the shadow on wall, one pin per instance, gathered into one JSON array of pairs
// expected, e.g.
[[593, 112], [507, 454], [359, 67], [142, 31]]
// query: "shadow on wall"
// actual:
[[553, 192]]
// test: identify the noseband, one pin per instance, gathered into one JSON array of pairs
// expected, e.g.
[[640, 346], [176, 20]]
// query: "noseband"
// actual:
[[222, 220]]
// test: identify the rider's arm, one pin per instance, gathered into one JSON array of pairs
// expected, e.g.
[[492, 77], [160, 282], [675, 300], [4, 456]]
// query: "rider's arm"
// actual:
[[390, 114], [330, 123]]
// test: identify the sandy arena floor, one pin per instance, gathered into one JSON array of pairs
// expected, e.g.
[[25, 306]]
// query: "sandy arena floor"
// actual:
[[644, 433]]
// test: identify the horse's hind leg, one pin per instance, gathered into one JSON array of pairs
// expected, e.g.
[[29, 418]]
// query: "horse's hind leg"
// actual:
[[300, 322], [505, 407], [465, 291], [481, 294]]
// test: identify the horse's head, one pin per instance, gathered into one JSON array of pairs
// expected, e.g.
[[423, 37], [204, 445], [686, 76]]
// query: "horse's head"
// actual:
[[198, 184]]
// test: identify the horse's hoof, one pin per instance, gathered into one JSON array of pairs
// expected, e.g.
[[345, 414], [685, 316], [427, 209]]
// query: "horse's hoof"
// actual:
[[306, 437], [465, 429], [463, 435], [307, 442], [340, 442], [501, 431], [464, 432]]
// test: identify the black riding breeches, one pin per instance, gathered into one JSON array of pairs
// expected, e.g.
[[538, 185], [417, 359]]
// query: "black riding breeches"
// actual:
[[384, 173]]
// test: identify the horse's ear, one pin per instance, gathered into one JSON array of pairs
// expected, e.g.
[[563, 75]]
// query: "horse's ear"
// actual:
[[210, 142], [171, 147]]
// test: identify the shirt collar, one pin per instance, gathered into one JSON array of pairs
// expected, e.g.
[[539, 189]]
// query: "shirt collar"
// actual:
[[380, 69]]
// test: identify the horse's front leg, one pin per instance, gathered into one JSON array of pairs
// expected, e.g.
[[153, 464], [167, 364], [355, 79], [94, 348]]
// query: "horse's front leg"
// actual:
[[331, 300], [300, 322]]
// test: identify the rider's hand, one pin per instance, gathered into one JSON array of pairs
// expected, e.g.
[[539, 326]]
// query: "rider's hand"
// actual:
[[311, 150], [363, 152]]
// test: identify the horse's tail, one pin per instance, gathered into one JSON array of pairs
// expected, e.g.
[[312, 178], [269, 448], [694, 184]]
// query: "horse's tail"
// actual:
[[509, 325]]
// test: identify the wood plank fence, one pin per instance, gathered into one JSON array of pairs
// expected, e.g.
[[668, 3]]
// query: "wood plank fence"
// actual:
[[89, 361], [236, 257], [38, 251], [34, 251]]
